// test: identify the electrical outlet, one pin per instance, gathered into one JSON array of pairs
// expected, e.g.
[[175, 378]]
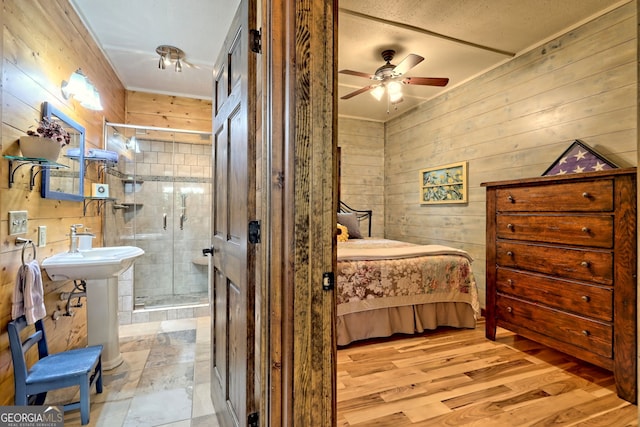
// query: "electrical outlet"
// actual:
[[17, 222], [42, 235]]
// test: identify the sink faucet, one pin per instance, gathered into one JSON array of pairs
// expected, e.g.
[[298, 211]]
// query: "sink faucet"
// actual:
[[73, 238]]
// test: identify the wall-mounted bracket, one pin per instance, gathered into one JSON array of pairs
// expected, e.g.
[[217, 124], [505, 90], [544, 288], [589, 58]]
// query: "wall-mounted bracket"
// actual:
[[100, 201], [36, 167]]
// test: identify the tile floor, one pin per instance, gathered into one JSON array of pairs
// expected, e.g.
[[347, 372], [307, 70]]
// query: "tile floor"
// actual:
[[164, 380]]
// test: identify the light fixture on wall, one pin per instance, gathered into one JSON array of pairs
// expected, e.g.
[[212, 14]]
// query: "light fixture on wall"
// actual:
[[170, 55], [82, 90]]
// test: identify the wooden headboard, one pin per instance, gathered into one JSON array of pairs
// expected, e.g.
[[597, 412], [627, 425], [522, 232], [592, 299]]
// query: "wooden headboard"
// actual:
[[361, 215]]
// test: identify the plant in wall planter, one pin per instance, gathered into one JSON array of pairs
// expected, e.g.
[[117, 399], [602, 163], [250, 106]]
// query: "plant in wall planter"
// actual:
[[45, 142]]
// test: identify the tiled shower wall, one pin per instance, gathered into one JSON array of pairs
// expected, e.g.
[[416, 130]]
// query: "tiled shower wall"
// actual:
[[152, 190]]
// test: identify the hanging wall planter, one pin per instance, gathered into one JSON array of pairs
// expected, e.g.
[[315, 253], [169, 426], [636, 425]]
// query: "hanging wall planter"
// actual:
[[35, 147]]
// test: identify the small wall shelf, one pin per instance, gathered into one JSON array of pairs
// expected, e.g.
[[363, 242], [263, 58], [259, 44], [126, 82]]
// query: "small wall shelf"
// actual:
[[105, 164], [100, 201], [34, 162]]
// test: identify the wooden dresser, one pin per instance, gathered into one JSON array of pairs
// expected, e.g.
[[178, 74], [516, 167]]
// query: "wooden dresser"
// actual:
[[561, 266]]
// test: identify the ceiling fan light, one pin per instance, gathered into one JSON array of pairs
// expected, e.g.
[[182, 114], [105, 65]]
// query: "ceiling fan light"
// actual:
[[396, 97], [395, 92], [377, 92], [178, 66], [394, 87]]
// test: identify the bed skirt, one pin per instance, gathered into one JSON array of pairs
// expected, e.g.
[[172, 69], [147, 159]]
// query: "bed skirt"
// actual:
[[411, 319]]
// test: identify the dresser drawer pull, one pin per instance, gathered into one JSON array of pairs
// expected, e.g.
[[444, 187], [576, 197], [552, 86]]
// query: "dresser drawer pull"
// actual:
[[510, 198], [509, 253], [509, 310], [510, 282], [510, 226], [585, 298], [585, 229], [585, 264], [586, 195], [585, 333]]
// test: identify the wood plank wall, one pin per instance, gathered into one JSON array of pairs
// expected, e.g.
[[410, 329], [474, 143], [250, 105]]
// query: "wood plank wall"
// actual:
[[361, 145], [43, 42], [168, 111], [513, 122]]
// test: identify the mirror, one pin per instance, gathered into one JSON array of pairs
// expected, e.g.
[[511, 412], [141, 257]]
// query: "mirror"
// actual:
[[66, 182]]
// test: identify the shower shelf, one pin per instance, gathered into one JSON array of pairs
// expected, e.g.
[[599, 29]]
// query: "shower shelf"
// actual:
[[132, 205], [100, 201], [132, 185]]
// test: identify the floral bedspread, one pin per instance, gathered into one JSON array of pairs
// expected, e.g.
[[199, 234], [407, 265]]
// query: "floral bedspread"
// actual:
[[366, 284]]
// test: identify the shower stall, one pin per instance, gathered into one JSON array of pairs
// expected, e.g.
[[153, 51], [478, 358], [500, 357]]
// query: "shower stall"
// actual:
[[160, 194]]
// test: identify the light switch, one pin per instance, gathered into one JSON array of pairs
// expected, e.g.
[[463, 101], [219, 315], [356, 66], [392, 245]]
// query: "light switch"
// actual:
[[17, 222], [42, 235]]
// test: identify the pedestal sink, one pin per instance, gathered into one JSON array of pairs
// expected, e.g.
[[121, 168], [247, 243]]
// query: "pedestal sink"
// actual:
[[99, 268]]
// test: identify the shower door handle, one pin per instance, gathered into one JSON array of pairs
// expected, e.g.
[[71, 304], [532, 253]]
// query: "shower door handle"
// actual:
[[164, 221], [209, 251]]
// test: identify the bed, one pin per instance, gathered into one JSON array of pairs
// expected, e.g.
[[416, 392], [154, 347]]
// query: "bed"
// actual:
[[384, 287]]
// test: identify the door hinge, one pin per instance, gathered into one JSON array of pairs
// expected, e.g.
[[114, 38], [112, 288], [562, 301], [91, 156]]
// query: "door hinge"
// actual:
[[255, 41], [327, 281], [253, 419], [254, 231]]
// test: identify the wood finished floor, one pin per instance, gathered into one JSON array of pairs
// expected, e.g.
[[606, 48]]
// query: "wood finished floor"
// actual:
[[453, 377]]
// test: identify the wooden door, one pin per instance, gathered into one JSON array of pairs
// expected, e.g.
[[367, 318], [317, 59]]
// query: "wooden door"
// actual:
[[300, 207], [233, 174]]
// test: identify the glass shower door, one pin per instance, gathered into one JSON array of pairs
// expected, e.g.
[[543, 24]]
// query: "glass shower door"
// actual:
[[164, 208]]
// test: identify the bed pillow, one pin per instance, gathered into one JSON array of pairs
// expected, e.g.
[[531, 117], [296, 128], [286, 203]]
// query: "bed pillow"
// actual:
[[343, 233], [349, 220]]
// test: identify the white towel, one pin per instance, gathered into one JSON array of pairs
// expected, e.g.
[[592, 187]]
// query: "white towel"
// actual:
[[28, 294], [17, 305]]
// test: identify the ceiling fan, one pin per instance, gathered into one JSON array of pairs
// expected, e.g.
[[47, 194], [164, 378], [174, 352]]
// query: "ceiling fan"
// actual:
[[389, 77]]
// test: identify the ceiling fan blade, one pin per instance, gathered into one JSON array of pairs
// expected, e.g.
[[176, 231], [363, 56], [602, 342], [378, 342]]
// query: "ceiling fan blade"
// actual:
[[407, 63], [358, 92], [357, 73], [426, 81]]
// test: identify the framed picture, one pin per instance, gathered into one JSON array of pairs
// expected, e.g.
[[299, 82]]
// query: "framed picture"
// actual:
[[579, 157], [444, 184]]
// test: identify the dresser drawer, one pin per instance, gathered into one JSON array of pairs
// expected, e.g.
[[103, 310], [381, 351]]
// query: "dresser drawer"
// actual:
[[582, 230], [594, 336], [589, 196], [578, 264], [580, 298]]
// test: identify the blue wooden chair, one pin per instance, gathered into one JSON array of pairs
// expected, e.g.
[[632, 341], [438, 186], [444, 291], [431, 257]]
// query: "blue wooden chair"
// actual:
[[82, 367]]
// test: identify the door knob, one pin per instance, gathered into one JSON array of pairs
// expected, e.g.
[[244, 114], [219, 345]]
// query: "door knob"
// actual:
[[209, 251]]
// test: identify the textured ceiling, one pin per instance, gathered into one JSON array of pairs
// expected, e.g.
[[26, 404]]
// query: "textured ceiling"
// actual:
[[128, 31], [458, 38]]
